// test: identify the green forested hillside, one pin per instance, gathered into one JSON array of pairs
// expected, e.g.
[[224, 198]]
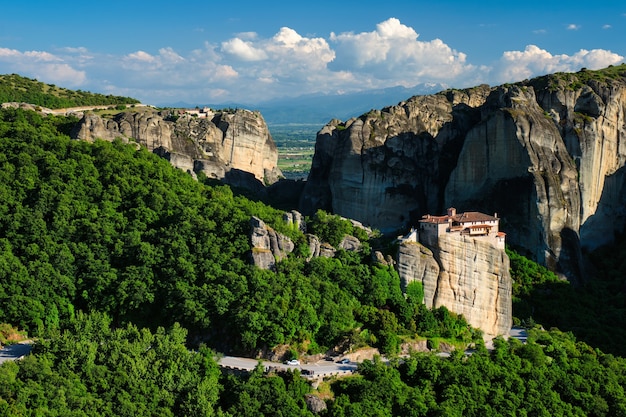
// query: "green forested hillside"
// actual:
[[15, 88], [104, 227], [92, 369], [120, 264], [594, 310]]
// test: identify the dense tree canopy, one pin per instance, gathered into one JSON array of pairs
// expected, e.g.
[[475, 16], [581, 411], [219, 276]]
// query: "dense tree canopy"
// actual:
[[551, 375], [94, 369], [594, 309], [108, 228]]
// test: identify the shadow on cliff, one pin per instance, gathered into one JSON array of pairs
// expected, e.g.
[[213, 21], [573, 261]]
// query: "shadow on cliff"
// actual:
[[571, 262], [609, 220], [406, 175], [283, 194], [594, 310]]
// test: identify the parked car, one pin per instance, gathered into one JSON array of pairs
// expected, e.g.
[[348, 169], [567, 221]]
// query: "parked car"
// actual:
[[307, 372], [293, 362], [344, 361]]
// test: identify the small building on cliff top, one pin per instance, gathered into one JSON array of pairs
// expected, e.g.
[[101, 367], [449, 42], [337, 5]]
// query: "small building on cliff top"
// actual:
[[471, 224], [461, 263]]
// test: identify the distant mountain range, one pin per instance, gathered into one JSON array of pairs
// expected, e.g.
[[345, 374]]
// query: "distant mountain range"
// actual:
[[321, 108]]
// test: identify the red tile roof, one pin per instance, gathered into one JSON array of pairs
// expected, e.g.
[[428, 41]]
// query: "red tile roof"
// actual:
[[473, 216], [434, 219], [467, 217]]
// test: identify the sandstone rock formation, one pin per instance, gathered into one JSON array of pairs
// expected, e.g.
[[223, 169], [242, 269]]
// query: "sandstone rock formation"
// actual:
[[416, 263], [517, 161], [546, 154], [230, 144], [315, 404], [384, 167], [318, 248], [468, 276], [350, 244], [268, 247], [296, 219]]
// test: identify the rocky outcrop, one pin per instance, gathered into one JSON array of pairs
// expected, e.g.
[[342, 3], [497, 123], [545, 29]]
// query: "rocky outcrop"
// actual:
[[268, 246], [295, 219], [230, 145], [516, 160], [317, 248], [350, 244], [407, 348], [379, 259], [416, 263], [468, 276], [546, 154], [314, 403]]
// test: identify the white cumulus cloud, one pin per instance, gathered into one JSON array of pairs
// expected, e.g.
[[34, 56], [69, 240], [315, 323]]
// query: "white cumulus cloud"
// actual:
[[168, 55], [394, 51], [144, 61], [41, 56], [42, 65], [250, 68], [534, 61], [141, 56], [294, 51], [75, 50], [6, 53], [243, 50], [285, 64], [222, 72]]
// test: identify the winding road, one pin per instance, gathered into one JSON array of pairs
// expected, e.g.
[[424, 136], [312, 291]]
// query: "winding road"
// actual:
[[326, 368], [16, 351], [317, 369]]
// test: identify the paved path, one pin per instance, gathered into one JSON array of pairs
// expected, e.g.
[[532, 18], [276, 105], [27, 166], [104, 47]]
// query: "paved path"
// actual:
[[326, 368], [16, 351], [320, 368], [519, 333]]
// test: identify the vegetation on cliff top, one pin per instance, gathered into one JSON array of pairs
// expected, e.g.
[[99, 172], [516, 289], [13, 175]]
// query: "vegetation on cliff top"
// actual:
[[15, 88], [575, 80]]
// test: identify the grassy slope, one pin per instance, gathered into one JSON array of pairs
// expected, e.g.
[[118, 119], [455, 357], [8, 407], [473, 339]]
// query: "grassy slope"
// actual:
[[15, 88]]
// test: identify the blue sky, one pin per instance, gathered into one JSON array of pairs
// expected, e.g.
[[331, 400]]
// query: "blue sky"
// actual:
[[250, 51]]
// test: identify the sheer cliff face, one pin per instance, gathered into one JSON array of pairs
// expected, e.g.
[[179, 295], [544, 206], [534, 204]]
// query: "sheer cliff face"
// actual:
[[515, 162], [387, 166], [592, 123], [227, 143], [467, 276], [547, 155]]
